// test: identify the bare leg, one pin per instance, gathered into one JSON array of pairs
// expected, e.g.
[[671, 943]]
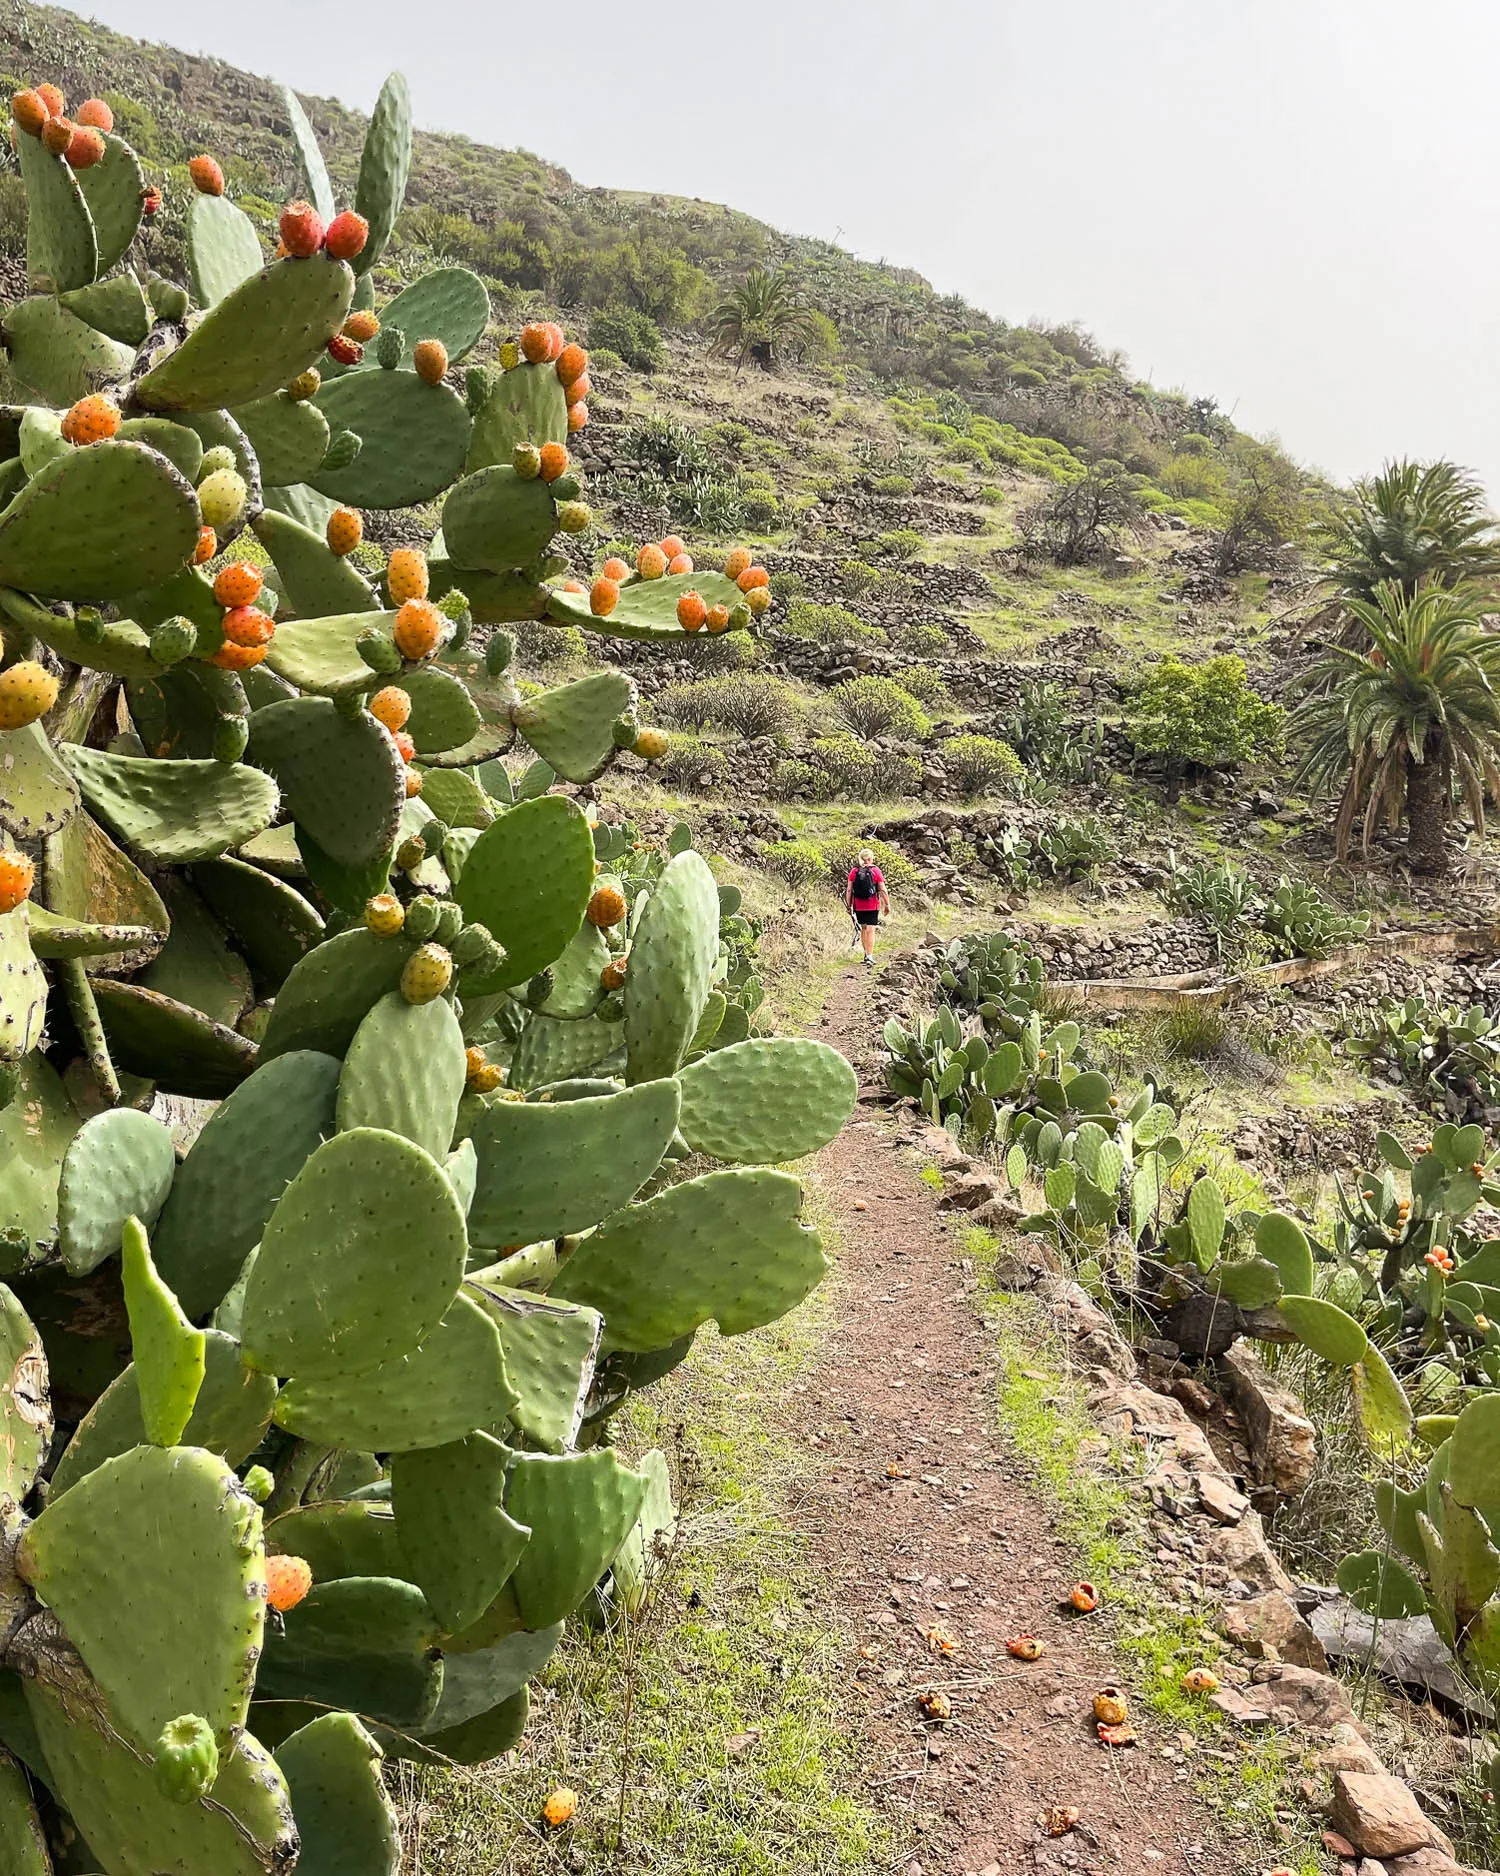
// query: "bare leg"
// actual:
[[867, 939]]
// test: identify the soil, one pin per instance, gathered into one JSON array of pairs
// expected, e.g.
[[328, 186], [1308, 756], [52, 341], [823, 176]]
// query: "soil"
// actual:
[[960, 1543]]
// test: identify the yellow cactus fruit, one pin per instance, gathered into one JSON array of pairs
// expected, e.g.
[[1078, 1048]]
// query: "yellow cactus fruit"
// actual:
[[306, 384], [651, 562], [560, 1808], [758, 599], [1110, 1708], [717, 619], [17, 876], [223, 497], [345, 531], [406, 575], [427, 974], [651, 745], [1200, 1681], [384, 915], [413, 783], [509, 355], [27, 691], [736, 561], [391, 706], [480, 1076]]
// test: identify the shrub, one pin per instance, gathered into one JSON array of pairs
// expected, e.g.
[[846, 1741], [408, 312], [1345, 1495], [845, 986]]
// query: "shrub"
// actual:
[[1203, 716], [842, 768], [894, 485], [827, 624], [877, 706], [1085, 520], [841, 852], [901, 543], [691, 762], [749, 705], [798, 862], [856, 578], [980, 763], [541, 643], [631, 334], [920, 641], [929, 687]]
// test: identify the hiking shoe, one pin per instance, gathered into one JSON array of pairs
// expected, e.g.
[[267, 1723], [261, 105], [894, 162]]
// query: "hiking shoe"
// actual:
[[869, 962]]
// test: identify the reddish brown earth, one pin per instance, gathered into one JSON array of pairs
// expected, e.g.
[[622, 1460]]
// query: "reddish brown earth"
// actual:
[[960, 1543]]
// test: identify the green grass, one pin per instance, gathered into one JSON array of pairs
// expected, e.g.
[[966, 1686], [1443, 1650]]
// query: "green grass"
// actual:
[[741, 1758]]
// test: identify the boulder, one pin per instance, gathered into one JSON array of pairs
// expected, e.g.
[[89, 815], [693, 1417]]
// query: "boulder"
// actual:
[[1269, 1625], [1378, 1814], [1283, 1443]]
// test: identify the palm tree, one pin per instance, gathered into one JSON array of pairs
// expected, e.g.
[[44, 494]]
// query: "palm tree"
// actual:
[[1414, 524], [1400, 719], [760, 318]]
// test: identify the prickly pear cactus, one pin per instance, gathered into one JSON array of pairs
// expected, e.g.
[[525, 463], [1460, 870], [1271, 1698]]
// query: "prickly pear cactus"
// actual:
[[307, 1424]]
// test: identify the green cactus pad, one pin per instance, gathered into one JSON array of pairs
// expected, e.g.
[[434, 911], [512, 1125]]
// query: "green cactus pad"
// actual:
[[554, 1048], [176, 1520], [255, 340], [113, 189], [90, 881], [303, 505], [639, 1559], [496, 520], [117, 308], [450, 304], [229, 1417], [321, 654], [119, 1165], [1248, 1282], [572, 727], [494, 598], [346, 889], [169, 1351], [452, 1384], [671, 968], [729, 1246], [580, 1507], [316, 583], [461, 1545], [340, 1537], [1324, 1328], [326, 997], [37, 793], [526, 405], [342, 777], [1379, 1586], [61, 245], [415, 438], [273, 925], [1384, 1409], [344, 1819], [576, 989], [383, 167], [123, 649], [766, 1100], [404, 1072], [179, 1048], [1474, 1456], [23, 1847], [289, 435], [196, 965], [550, 1349], [182, 447], [457, 799], [243, 1828], [1282, 1242], [309, 155], [476, 1682], [57, 356], [443, 715], [23, 989], [25, 1410], [549, 1168], [239, 1166], [130, 520], [223, 248], [647, 608], [366, 1643], [174, 811], [528, 880], [35, 1129], [325, 1298], [1463, 1566]]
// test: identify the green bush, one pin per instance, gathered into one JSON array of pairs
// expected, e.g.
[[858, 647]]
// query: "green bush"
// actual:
[[748, 704], [877, 706], [691, 762], [856, 578], [926, 685], [841, 853], [798, 862], [979, 764], [894, 485], [842, 768], [921, 641], [632, 335], [826, 624], [545, 644], [1202, 716], [901, 543]]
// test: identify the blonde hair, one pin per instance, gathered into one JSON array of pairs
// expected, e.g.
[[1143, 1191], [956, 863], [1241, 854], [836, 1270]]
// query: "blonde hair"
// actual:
[[866, 857]]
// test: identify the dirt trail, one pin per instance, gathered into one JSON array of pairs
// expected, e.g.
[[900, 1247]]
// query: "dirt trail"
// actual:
[[959, 1542]]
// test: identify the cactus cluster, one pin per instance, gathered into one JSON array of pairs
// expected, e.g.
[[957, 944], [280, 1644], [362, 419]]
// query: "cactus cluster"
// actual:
[[306, 1395]]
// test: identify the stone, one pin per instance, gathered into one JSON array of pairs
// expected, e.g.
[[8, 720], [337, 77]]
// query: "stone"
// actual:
[[1378, 1814], [968, 1192], [1283, 1442], [1369, 1867], [1290, 1696], [1271, 1620], [1348, 1753], [1242, 1550], [1220, 1499], [1431, 1861]]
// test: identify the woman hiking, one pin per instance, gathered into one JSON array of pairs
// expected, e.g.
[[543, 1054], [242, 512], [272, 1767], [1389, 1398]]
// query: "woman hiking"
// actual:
[[866, 898]]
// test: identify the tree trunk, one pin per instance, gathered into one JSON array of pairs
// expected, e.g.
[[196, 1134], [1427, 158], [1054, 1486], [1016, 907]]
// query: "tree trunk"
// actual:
[[1427, 810]]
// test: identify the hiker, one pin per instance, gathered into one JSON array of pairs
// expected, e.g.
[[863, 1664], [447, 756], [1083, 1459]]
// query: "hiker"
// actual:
[[866, 898]]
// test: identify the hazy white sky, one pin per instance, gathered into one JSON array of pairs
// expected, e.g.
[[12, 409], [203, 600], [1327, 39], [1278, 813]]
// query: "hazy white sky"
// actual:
[[1289, 204]]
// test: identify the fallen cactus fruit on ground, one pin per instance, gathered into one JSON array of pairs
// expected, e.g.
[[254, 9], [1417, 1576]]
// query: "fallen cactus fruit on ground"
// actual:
[[304, 1429]]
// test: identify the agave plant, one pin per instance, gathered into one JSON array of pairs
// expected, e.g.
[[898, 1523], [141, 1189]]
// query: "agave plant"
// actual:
[[761, 318]]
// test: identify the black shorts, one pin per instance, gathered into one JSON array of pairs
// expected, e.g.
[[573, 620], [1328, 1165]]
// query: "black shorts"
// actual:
[[870, 916]]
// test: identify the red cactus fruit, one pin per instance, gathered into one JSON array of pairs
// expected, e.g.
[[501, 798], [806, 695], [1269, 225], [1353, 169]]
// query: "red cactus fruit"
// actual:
[[54, 100], [301, 228], [57, 134], [578, 417], [615, 569], [345, 351], [536, 342], [347, 235], [718, 619], [208, 546], [680, 563], [751, 578], [150, 202], [248, 625], [577, 391], [232, 657]]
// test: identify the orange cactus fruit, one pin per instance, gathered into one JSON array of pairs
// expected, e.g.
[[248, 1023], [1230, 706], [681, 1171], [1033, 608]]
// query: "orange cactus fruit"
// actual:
[[91, 420], [345, 351], [692, 610], [248, 625], [57, 134], [572, 363], [1059, 1819], [604, 596], [413, 783], [758, 600], [556, 340], [95, 114], [232, 657], [751, 578], [345, 531], [361, 327], [672, 545], [406, 575], [680, 563], [615, 569], [288, 1579], [27, 691], [347, 235], [391, 706], [573, 586], [238, 584], [1025, 1648], [85, 148], [1110, 1708], [554, 461], [28, 110], [651, 562], [606, 907], [1200, 1681], [301, 231], [1084, 1598], [717, 619], [578, 417], [935, 1705], [208, 546], [1121, 1735], [578, 390], [53, 99], [150, 202], [208, 178], [430, 359], [405, 745], [613, 975], [560, 1808], [17, 877], [536, 342], [419, 629], [736, 562]]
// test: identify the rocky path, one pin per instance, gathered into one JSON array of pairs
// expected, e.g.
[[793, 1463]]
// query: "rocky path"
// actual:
[[933, 1541]]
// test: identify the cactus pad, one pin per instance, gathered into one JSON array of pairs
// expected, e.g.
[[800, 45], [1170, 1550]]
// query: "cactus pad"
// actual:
[[326, 997], [176, 1519], [528, 880], [223, 248], [572, 726], [671, 968], [1282, 1242], [647, 608], [23, 1848], [383, 167], [23, 988], [119, 1164], [1379, 1586], [549, 1168], [580, 1508], [131, 522], [289, 436], [325, 1296], [728, 1245], [174, 811], [119, 309], [450, 304], [90, 881], [766, 1101], [554, 1048], [1384, 1409], [1325, 1329], [113, 189], [314, 169], [367, 1643], [315, 581], [57, 355], [550, 1349], [443, 715], [196, 965], [273, 925], [526, 405], [340, 1537], [169, 1351], [344, 1819], [37, 793], [321, 654], [497, 520], [415, 438], [1474, 1456], [61, 245], [404, 1072], [25, 1411], [341, 776], [461, 1546], [179, 1048], [454, 1383], [34, 1133]]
